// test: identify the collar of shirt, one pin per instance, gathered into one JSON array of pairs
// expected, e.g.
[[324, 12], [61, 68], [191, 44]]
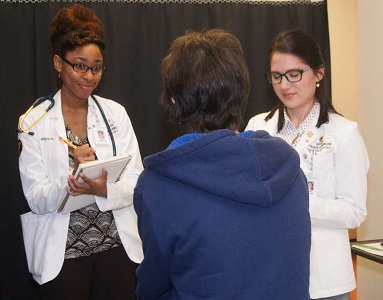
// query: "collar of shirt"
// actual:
[[291, 134]]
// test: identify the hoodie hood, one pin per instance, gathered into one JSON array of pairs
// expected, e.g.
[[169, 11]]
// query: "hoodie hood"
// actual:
[[255, 168]]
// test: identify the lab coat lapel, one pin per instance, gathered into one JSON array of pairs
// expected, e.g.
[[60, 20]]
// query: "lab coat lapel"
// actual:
[[57, 118], [310, 135], [95, 120], [57, 126], [272, 124]]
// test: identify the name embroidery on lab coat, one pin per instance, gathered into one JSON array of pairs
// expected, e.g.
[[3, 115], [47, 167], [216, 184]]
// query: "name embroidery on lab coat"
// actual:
[[313, 149], [319, 146]]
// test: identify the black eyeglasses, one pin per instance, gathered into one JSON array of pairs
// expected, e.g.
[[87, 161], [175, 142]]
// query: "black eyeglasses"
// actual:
[[291, 76], [81, 68]]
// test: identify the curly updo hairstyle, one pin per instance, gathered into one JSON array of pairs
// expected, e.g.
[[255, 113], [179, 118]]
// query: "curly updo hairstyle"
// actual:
[[75, 26]]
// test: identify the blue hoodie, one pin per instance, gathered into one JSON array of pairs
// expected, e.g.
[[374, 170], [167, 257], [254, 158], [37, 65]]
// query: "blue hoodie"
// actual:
[[224, 216]]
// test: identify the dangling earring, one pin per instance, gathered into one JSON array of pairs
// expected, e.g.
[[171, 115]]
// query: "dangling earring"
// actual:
[[318, 84], [59, 81]]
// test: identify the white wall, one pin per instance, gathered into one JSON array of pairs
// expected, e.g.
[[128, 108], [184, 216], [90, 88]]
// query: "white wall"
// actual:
[[370, 60]]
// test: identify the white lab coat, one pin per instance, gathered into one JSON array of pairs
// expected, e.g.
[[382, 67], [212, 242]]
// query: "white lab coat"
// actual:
[[335, 159], [44, 168]]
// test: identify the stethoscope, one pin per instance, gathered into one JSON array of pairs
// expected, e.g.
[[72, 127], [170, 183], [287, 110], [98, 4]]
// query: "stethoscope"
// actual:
[[49, 98]]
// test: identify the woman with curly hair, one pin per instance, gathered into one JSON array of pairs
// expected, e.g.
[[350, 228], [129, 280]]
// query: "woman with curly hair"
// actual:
[[92, 252]]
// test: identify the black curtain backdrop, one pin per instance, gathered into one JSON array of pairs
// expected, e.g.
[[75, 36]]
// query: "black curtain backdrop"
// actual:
[[138, 36]]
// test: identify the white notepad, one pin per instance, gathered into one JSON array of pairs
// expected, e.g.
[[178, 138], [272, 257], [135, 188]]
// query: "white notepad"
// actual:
[[115, 167]]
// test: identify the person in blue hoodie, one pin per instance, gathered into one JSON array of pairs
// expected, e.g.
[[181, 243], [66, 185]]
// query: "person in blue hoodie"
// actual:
[[221, 214]]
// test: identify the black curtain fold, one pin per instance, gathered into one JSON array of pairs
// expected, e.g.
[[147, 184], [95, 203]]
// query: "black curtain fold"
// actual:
[[137, 37]]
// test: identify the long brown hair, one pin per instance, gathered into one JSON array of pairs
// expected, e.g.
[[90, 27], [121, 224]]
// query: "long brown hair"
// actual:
[[302, 45]]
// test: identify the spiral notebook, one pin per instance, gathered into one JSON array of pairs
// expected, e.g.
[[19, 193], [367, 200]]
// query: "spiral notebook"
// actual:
[[115, 167]]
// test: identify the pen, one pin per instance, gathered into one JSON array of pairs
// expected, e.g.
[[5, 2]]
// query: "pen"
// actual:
[[67, 142]]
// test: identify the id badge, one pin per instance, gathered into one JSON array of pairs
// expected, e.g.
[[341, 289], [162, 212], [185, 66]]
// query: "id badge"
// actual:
[[312, 182], [101, 135]]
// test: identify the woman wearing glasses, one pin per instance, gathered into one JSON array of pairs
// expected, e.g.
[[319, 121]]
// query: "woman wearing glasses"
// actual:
[[90, 253], [332, 154]]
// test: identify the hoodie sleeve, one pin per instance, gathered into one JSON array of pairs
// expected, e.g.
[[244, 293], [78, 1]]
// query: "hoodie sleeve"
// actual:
[[153, 277]]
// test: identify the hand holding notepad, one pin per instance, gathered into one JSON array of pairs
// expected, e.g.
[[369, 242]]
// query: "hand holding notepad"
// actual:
[[115, 166]]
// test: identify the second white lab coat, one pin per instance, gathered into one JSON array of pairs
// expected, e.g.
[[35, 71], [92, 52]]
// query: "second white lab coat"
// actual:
[[334, 158], [44, 167]]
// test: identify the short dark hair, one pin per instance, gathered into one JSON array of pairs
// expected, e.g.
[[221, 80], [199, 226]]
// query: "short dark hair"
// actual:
[[75, 26], [303, 45], [206, 75]]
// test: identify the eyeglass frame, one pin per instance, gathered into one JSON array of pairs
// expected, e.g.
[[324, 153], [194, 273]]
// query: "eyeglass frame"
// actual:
[[284, 75], [73, 65]]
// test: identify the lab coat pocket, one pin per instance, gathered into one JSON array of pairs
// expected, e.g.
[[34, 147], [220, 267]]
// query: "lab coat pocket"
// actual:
[[35, 228], [322, 162], [324, 172]]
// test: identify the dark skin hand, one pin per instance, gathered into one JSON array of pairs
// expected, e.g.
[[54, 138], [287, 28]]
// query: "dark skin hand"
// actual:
[[97, 186]]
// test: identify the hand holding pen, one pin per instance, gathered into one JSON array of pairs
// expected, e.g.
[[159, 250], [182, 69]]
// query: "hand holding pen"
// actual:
[[69, 143], [81, 154]]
